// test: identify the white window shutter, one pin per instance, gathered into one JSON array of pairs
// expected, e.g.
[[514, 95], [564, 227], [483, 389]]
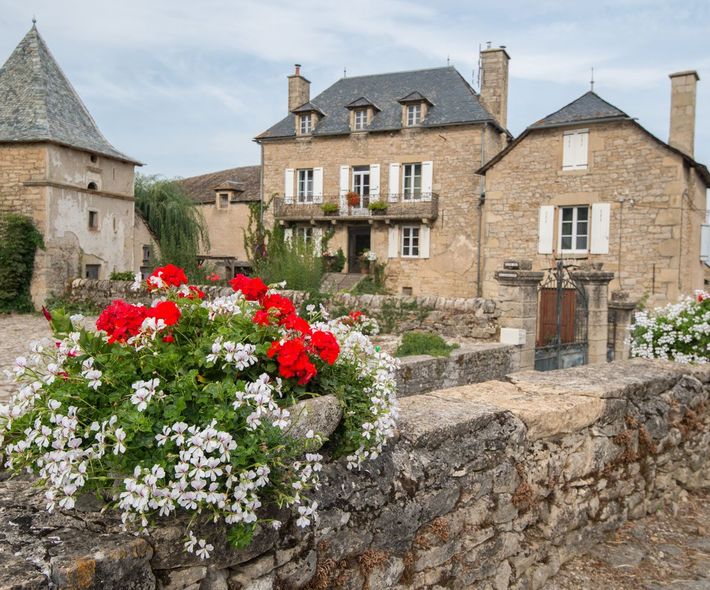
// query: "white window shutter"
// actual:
[[424, 241], [317, 185], [317, 240], [427, 180], [601, 217], [344, 180], [394, 182], [288, 186], [568, 151], [288, 235], [374, 182], [705, 243], [546, 229], [582, 149], [393, 245]]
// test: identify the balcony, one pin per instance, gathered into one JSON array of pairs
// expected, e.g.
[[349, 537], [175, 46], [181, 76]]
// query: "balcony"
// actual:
[[424, 207]]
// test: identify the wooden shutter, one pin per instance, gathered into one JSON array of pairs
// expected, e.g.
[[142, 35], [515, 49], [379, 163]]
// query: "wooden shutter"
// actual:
[[394, 182], [599, 239], [317, 185], [705, 243], [424, 241], [581, 141], [393, 244], [288, 234], [344, 188], [427, 180], [374, 182], [288, 186], [546, 229]]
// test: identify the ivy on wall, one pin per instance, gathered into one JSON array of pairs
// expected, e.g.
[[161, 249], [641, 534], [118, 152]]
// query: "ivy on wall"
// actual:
[[19, 240]]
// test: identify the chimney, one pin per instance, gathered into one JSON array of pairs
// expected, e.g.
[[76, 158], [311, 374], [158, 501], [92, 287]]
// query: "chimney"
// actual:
[[299, 89], [494, 82], [682, 134]]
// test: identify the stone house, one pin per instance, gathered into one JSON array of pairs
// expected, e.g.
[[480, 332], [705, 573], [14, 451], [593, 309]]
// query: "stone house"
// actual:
[[57, 167], [590, 185], [225, 199], [407, 142]]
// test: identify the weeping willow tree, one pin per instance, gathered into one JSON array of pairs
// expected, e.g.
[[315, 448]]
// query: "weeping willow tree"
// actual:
[[174, 220]]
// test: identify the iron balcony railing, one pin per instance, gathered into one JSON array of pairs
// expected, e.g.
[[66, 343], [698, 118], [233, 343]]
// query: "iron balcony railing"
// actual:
[[334, 207]]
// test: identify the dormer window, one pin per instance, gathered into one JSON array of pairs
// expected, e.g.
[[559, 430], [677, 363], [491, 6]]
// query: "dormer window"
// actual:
[[305, 124], [360, 119], [223, 200], [414, 114]]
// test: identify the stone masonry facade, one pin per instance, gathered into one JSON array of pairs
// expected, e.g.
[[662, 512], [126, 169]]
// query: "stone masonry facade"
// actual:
[[491, 486], [657, 207]]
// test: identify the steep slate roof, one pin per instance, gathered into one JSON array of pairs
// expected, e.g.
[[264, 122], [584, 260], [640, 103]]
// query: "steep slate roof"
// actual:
[[455, 102], [246, 179], [591, 108], [588, 107], [38, 103]]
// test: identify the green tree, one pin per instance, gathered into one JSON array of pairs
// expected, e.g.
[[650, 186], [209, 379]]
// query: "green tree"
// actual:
[[174, 220], [19, 240]]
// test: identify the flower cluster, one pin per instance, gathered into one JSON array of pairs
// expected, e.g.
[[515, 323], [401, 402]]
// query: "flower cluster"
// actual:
[[185, 406], [679, 331]]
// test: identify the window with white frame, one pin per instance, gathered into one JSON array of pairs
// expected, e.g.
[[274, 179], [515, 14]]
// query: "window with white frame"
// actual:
[[305, 185], [305, 124], [360, 119], [410, 241], [304, 233], [575, 149], [412, 181], [414, 114], [361, 184], [574, 229]]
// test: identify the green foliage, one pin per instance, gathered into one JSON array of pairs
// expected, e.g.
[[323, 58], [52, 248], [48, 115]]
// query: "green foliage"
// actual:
[[123, 275], [69, 306], [395, 311], [424, 343], [339, 261], [19, 240], [256, 235], [293, 261], [329, 208], [377, 206], [373, 284], [174, 220]]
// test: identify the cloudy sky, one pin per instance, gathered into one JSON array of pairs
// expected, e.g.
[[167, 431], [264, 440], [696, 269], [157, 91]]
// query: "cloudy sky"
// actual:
[[184, 86]]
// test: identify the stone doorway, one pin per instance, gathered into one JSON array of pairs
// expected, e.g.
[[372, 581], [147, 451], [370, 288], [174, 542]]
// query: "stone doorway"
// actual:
[[358, 242]]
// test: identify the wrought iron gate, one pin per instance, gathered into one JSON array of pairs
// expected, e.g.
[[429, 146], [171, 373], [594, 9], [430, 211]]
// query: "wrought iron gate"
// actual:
[[562, 321]]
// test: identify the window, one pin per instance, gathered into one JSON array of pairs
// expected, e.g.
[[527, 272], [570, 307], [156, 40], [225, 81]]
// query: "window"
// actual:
[[146, 253], [360, 119], [410, 242], [412, 183], [304, 234], [92, 186], [575, 150], [305, 124], [305, 185], [361, 184], [93, 158], [574, 229], [223, 200], [93, 220], [414, 114], [91, 271]]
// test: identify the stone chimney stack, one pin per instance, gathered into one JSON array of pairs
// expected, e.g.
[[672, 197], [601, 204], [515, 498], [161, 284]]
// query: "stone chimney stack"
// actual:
[[494, 82], [299, 89], [682, 134]]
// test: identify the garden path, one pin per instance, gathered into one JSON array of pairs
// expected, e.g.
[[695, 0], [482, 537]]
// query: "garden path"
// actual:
[[16, 332]]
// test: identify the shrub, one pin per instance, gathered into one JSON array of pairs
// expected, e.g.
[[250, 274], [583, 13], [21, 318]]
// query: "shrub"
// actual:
[[64, 305], [377, 206], [424, 343], [19, 240], [124, 275], [329, 208], [678, 332], [294, 261], [184, 406]]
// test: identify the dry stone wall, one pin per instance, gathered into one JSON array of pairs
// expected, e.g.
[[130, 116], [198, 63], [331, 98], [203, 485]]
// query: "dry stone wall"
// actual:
[[488, 486]]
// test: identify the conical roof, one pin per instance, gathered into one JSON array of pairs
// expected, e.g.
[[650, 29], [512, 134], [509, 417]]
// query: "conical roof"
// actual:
[[38, 103]]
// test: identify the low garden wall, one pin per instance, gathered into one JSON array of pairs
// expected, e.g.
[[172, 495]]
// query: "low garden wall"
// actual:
[[491, 485], [465, 318]]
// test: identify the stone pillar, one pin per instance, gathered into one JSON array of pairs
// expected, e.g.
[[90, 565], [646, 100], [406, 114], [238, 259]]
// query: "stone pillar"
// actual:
[[518, 300], [621, 312], [595, 283]]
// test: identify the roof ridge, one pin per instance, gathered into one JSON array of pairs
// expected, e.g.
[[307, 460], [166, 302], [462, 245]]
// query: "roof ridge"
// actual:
[[398, 72]]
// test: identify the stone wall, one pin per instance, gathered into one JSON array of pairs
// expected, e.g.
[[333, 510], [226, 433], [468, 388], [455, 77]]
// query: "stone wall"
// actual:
[[489, 486], [465, 318]]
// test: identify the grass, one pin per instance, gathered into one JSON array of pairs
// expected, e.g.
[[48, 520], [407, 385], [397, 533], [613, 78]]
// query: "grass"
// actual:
[[424, 343]]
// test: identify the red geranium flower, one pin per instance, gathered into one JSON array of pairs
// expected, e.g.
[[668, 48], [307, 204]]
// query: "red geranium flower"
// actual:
[[325, 345], [214, 277], [295, 322], [252, 289], [166, 311], [121, 320], [261, 317], [195, 293], [282, 306], [169, 274], [293, 360]]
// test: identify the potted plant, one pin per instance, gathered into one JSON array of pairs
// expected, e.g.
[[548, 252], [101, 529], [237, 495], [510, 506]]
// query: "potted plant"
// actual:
[[353, 199], [378, 207], [329, 208], [367, 258]]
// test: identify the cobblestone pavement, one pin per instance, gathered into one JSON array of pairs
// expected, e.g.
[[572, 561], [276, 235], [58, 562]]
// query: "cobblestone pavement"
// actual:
[[669, 550]]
